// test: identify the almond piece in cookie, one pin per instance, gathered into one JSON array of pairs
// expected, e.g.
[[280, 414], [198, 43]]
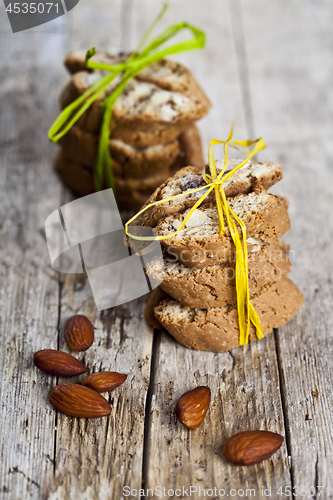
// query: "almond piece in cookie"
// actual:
[[251, 176], [263, 215]]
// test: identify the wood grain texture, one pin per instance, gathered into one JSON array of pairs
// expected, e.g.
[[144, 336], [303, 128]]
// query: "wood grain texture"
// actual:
[[214, 67], [295, 90], [29, 288], [96, 458], [245, 382], [49, 455], [269, 66]]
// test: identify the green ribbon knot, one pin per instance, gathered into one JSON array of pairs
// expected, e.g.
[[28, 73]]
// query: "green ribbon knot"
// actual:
[[136, 62]]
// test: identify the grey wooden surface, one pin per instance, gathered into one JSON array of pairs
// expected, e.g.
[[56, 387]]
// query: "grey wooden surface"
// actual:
[[269, 65]]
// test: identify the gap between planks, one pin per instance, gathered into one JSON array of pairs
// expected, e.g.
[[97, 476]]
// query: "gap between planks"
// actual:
[[239, 42], [240, 46]]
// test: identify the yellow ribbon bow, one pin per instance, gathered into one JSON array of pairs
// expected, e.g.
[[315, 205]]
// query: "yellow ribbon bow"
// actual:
[[246, 312]]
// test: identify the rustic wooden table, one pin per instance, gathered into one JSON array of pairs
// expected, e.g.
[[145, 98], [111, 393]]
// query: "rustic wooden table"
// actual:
[[269, 65]]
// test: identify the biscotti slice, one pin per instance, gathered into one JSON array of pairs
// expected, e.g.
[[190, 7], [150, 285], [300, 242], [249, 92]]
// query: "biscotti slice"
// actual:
[[76, 60], [190, 149], [145, 114], [156, 296], [143, 162], [199, 243], [248, 178], [82, 146], [122, 184], [76, 176], [168, 75], [215, 286], [216, 329], [79, 178]]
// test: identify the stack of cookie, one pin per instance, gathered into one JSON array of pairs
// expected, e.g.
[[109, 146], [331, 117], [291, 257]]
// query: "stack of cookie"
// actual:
[[197, 301], [152, 131]]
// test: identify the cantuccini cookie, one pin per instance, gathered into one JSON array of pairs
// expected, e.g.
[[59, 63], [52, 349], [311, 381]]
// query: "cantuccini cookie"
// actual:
[[155, 107], [79, 178], [216, 329], [156, 296], [248, 178], [199, 243], [215, 286], [76, 176], [128, 163], [76, 60], [167, 74], [81, 146]]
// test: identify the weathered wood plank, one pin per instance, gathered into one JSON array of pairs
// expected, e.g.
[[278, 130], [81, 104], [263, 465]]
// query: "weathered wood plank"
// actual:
[[290, 68], [29, 288], [215, 67], [244, 382], [289, 64], [96, 458]]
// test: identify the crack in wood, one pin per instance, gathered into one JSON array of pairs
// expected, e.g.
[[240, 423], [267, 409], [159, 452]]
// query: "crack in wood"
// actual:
[[283, 402], [149, 406], [239, 40]]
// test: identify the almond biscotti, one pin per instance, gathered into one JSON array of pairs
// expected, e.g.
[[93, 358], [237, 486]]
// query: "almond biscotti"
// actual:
[[215, 286], [76, 60], [81, 146], [151, 110], [168, 75], [216, 329], [79, 178], [156, 296], [199, 243], [251, 176]]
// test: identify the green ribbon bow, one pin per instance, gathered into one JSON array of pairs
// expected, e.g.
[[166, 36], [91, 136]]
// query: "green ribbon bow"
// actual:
[[129, 69]]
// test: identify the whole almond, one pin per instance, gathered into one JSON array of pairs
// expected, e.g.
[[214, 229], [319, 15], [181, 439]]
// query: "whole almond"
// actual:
[[79, 401], [251, 447], [58, 363], [104, 381], [79, 333], [193, 406]]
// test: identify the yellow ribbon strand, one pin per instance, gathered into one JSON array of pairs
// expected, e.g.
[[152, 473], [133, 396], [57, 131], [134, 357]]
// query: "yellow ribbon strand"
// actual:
[[245, 310]]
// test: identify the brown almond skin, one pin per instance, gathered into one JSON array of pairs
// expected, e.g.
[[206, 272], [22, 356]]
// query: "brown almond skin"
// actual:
[[79, 333], [104, 381], [251, 447], [58, 363], [193, 406], [79, 401]]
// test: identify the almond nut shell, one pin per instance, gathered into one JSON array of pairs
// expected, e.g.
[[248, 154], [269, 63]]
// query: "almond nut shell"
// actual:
[[79, 401], [104, 381], [251, 447], [192, 407], [58, 363], [79, 333]]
